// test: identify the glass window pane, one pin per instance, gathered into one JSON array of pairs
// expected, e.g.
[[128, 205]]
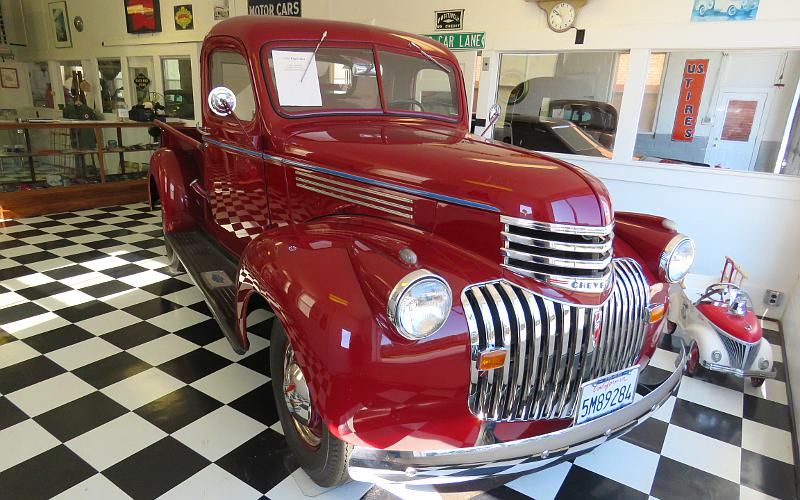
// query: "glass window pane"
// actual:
[[229, 69], [178, 95], [414, 83], [41, 88], [71, 76], [110, 72]]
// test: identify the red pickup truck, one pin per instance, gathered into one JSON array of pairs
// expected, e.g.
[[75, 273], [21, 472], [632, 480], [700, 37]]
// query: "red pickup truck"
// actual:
[[447, 306]]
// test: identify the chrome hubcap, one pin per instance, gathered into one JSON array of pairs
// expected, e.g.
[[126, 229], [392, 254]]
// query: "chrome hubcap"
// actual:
[[298, 401]]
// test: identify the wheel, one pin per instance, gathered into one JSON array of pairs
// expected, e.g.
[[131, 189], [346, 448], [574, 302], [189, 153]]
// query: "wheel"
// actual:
[[701, 10], [693, 363], [757, 381], [174, 265], [732, 10], [671, 327], [322, 455]]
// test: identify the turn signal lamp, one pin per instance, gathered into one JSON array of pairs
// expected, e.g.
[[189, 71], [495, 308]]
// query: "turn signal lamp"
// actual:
[[657, 312], [489, 360]]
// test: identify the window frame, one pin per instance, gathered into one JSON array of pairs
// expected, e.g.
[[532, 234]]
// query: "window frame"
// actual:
[[207, 77]]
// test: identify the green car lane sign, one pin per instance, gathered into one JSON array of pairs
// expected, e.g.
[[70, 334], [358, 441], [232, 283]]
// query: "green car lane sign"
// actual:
[[460, 41]]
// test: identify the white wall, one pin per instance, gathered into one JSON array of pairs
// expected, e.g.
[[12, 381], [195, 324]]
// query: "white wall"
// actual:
[[791, 323]]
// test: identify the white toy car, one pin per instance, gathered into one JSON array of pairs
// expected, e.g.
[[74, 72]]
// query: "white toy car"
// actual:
[[721, 329], [730, 7]]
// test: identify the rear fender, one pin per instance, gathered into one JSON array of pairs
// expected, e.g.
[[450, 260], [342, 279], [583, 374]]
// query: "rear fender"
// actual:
[[171, 172], [328, 283]]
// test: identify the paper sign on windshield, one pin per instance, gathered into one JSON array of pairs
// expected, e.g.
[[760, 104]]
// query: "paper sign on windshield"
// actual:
[[289, 67]]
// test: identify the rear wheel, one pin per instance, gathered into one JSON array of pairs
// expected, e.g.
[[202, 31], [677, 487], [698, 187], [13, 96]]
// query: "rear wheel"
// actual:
[[757, 381], [701, 10], [693, 364], [322, 455], [732, 10]]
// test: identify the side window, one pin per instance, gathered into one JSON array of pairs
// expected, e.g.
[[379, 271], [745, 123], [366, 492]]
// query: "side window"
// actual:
[[229, 69]]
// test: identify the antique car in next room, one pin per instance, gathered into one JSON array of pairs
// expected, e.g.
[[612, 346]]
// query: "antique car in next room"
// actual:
[[447, 306]]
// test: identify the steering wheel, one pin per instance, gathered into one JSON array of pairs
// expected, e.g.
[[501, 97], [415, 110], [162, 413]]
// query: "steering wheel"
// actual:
[[413, 102], [726, 294]]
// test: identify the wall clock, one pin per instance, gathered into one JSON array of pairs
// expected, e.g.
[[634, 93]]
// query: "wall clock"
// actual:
[[561, 14]]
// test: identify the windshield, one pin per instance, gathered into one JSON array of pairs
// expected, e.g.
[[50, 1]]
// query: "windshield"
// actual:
[[345, 80]]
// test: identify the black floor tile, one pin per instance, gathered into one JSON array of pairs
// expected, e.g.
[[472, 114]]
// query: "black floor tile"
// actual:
[[116, 233], [84, 311], [62, 215], [82, 415], [20, 312], [677, 481], [41, 291], [780, 371], [74, 233], [46, 223], [156, 469], [29, 258], [139, 255], [11, 273], [65, 272], [202, 308], [55, 244], [10, 414], [262, 462], [649, 435], [89, 256], [100, 244], [258, 404], [6, 338], [106, 289], [707, 421], [151, 243], [767, 412], [134, 335], [30, 233], [721, 379], [151, 308], [122, 271], [27, 373], [767, 475], [194, 365], [58, 338], [178, 409], [258, 362], [44, 475], [7, 245], [111, 369], [165, 287], [772, 336], [582, 483], [202, 333]]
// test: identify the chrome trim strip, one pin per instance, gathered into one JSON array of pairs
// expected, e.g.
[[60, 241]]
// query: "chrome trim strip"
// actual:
[[558, 228], [358, 202], [312, 177], [557, 245], [740, 372], [365, 180], [322, 185], [556, 261]]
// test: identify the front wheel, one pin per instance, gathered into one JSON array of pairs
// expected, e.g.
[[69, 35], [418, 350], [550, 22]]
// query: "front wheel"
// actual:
[[732, 10], [757, 381], [693, 364], [701, 10], [671, 327], [322, 455]]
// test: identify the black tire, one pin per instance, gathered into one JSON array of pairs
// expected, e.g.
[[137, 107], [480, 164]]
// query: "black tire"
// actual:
[[701, 10], [327, 463], [671, 327], [174, 265], [732, 11], [756, 381]]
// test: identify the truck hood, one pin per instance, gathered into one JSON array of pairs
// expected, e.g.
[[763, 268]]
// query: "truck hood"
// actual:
[[451, 164]]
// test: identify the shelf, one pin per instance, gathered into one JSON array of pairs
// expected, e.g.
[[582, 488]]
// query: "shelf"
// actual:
[[67, 152]]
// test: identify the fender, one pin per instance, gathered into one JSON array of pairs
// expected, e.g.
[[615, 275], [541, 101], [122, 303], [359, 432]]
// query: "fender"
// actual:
[[171, 172], [646, 234], [328, 282]]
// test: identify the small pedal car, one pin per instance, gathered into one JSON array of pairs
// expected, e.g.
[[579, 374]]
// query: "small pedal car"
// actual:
[[721, 329]]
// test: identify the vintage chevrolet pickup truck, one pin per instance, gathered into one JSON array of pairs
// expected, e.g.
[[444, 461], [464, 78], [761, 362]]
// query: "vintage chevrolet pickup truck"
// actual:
[[447, 307]]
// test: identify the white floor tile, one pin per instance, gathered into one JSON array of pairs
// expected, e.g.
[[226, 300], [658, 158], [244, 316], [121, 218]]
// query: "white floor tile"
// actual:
[[132, 238], [23, 441], [163, 349], [703, 452], [42, 238], [20, 250], [230, 382], [223, 348], [34, 325], [299, 485], [665, 412], [113, 441], [144, 278], [142, 388], [87, 279], [127, 298], [9, 299], [185, 297], [712, 396], [87, 238], [108, 322], [71, 250], [119, 250], [64, 299], [768, 441], [104, 263], [26, 281], [212, 483], [623, 462], [769, 324], [43, 266], [545, 484], [746, 493], [777, 353], [81, 354], [772, 390], [16, 352], [97, 487], [153, 263], [218, 433], [178, 319], [51, 393], [664, 359]]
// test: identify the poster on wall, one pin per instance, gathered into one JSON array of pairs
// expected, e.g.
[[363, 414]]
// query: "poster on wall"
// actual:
[[184, 19], [448, 20], [143, 16], [60, 24], [724, 10], [9, 78], [694, 80], [274, 8]]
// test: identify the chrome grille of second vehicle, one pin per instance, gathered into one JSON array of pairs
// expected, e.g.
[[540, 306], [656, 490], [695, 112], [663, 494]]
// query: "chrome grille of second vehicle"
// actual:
[[741, 354], [562, 255], [551, 347]]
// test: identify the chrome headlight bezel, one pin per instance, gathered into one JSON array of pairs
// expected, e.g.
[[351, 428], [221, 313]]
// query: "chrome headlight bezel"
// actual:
[[677, 242], [406, 284]]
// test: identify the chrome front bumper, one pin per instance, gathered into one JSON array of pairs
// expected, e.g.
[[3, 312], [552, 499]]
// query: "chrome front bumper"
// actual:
[[739, 372], [513, 457]]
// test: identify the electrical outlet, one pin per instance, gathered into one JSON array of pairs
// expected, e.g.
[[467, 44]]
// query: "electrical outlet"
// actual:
[[773, 298]]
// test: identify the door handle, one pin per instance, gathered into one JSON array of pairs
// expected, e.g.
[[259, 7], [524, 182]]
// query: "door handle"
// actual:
[[203, 130], [199, 189]]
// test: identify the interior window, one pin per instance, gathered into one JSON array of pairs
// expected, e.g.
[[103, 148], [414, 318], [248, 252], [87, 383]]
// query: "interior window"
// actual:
[[229, 69]]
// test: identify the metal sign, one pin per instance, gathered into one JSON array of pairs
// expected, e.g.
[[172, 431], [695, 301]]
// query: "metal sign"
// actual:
[[449, 20], [184, 18], [141, 81], [694, 79], [274, 8], [460, 41]]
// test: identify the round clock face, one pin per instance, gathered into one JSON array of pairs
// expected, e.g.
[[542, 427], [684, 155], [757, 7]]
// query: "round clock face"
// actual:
[[562, 17]]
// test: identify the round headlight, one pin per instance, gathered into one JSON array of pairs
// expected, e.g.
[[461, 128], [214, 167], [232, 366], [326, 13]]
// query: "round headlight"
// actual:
[[763, 364], [419, 304], [716, 356], [677, 258]]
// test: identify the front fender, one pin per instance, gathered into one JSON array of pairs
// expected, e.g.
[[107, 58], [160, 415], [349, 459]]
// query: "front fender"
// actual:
[[171, 171], [328, 283]]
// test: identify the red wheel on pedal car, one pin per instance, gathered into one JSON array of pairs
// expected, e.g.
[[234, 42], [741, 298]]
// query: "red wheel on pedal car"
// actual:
[[757, 381], [694, 359], [671, 327]]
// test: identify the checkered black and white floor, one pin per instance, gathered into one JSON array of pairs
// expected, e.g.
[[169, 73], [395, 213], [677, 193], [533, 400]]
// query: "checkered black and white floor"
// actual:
[[115, 382]]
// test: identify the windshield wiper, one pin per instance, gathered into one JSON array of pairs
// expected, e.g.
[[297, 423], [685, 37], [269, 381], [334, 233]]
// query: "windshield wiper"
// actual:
[[324, 34], [430, 58]]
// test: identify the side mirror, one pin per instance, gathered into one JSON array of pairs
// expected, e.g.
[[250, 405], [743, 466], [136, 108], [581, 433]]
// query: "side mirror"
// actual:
[[494, 114], [222, 101]]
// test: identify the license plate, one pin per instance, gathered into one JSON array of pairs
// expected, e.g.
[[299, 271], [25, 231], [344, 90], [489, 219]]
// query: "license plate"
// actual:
[[603, 395]]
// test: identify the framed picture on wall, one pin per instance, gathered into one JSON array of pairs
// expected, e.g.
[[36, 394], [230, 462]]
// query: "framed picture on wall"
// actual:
[[9, 79], [60, 23], [143, 16]]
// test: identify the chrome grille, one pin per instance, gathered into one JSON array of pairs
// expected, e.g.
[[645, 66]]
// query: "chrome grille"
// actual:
[[572, 257], [552, 348], [741, 354]]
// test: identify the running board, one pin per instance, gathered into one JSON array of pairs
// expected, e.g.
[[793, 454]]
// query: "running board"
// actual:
[[214, 273]]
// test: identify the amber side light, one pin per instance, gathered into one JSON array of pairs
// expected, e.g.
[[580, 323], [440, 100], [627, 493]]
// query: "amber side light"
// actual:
[[657, 312], [492, 359]]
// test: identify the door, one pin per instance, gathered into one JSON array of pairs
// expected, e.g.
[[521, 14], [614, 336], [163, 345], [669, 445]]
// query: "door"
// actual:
[[468, 60], [734, 137], [234, 181], [141, 78]]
